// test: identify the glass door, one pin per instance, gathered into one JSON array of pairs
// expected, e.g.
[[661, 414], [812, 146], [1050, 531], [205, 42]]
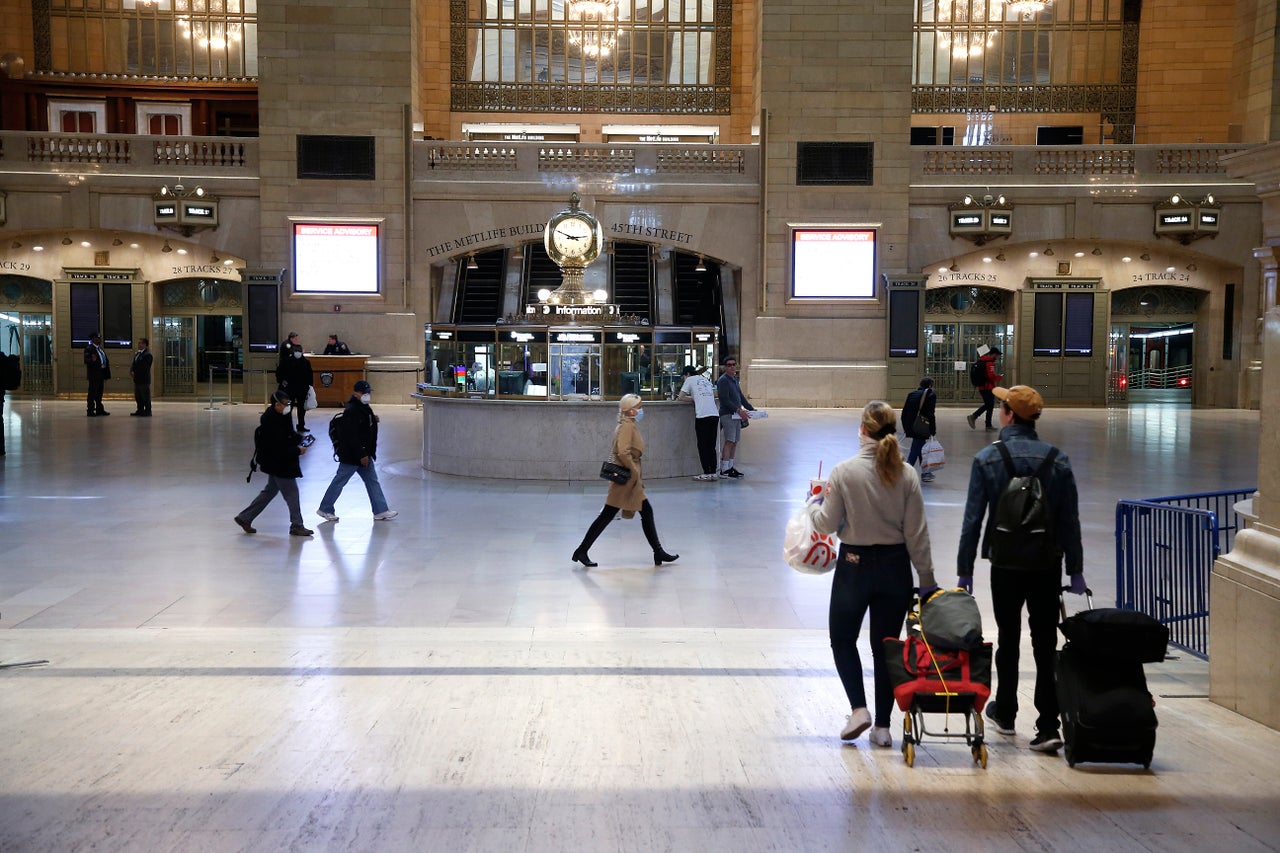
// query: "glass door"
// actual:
[[174, 342], [950, 347], [37, 352], [1118, 363]]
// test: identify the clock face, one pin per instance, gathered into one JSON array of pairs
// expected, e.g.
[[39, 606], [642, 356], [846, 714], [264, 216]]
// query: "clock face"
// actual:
[[572, 237]]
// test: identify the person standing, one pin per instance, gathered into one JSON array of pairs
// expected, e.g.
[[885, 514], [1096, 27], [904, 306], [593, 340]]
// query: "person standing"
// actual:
[[1020, 452], [988, 361], [629, 497], [97, 370], [336, 347], [734, 407], [357, 448], [140, 370], [290, 344], [921, 405], [295, 377], [874, 504], [706, 418], [277, 450]]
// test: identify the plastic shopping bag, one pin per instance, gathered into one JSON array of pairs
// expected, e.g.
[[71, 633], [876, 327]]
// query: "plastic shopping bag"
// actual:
[[805, 549], [932, 457]]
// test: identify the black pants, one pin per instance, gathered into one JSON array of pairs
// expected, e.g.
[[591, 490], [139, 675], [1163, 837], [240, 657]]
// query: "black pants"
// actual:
[[609, 513], [878, 578], [706, 429], [1039, 591], [142, 397], [988, 404], [93, 400]]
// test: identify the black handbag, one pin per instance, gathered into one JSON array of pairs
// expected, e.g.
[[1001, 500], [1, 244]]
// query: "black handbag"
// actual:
[[615, 473], [921, 428]]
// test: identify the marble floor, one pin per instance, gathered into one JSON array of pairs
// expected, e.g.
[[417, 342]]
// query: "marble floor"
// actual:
[[448, 681]]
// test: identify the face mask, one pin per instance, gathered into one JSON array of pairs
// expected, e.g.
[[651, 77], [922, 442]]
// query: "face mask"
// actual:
[[365, 398], [639, 416], [297, 353]]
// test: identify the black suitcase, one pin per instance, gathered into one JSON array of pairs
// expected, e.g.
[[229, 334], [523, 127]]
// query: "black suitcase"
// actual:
[[1108, 714]]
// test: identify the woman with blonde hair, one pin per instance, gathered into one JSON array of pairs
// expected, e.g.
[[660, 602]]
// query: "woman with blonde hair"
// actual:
[[874, 504], [629, 497]]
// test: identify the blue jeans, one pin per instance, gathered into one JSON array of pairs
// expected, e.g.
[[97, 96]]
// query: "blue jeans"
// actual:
[[917, 448], [880, 581], [286, 486], [371, 485]]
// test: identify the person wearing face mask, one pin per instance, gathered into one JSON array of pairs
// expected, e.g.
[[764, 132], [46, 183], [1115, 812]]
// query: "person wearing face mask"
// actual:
[[277, 450], [356, 447], [295, 377], [629, 497], [140, 370]]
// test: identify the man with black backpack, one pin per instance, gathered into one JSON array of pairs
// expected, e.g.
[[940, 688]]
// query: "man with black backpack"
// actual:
[[1027, 491], [354, 432]]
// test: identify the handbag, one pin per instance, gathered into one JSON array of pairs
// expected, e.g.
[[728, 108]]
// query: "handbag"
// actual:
[[805, 549], [932, 458], [921, 428], [615, 473]]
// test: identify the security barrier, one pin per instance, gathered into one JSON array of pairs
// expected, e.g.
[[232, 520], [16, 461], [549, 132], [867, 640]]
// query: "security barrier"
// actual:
[[1165, 549]]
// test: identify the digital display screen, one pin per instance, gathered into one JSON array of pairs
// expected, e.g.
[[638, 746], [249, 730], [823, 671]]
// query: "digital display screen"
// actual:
[[833, 263], [335, 257]]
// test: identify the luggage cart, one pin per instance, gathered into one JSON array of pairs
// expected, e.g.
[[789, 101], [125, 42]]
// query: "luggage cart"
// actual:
[[938, 681]]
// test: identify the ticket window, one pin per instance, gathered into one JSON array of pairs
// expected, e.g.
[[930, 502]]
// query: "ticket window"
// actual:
[[479, 368], [575, 370], [668, 366], [522, 370], [628, 369]]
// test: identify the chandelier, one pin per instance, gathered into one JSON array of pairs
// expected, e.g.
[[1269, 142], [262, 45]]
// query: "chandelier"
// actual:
[[964, 34], [203, 28], [1027, 8], [594, 15]]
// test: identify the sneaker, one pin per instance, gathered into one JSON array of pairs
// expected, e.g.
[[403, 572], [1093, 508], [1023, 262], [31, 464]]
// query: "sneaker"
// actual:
[[383, 516], [880, 737], [244, 525], [990, 428], [723, 475], [327, 516], [1004, 728], [927, 477], [971, 420], [859, 722], [734, 473], [299, 530], [1046, 742]]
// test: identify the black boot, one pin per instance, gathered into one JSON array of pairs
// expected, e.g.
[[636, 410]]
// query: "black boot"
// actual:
[[651, 533], [593, 532]]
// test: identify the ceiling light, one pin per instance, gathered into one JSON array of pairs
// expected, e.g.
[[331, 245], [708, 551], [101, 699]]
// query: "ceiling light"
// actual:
[[988, 259], [166, 247], [954, 267], [1079, 254], [229, 262], [1027, 8], [1048, 251], [1191, 267], [37, 248], [600, 295], [471, 262], [1096, 251], [1144, 256], [214, 259], [702, 265], [1000, 257], [85, 243], [182, 251], [116, 241], [16, 245], [66, 240], [1126, 259]]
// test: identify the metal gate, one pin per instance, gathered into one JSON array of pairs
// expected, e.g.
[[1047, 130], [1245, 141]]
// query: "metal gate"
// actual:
[[175, 343], [37, 353], [948, 345], [1165, 549]]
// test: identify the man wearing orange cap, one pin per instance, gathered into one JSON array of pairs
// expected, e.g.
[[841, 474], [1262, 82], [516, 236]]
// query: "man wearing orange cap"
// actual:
[[1035, 579]]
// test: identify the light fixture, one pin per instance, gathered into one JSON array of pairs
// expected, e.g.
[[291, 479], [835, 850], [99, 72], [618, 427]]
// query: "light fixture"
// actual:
[[702, 265], [1191, 267], [186, 212], [1000, 256], [954, 266], [66, 240], [1181, 219], [544, 294], [1096, 251], [961, 26], [981, 220], [17, 244], [471, 262], [85, 243], [214, 259], [166, 247], [116, 241], [600, 294], [206, 30], [594, 28], [1027, 8], [1079, 254], [1144, 256], [1048, 251]]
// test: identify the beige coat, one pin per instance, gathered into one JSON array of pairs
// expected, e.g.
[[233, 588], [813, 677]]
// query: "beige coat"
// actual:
[[628, 447]]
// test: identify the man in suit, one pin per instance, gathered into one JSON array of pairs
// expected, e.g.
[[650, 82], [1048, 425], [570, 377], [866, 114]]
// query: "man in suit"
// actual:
[[97, 370], [141, 373]]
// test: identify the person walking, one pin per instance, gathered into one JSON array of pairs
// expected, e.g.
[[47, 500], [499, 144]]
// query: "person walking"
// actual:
[[988, 361], [97, 369], [734, 407], [874, 504], [277, 450], [356, 449], [1020, 452], [919, 422], [706, 419], [629, 497], [295, 377], [140, 370]]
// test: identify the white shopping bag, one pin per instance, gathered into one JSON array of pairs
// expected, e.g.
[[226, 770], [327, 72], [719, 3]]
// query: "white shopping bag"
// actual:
[[932, 457], [805, 549]]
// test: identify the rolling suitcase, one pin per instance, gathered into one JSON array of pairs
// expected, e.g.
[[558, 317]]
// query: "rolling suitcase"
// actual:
[[1107, 712]]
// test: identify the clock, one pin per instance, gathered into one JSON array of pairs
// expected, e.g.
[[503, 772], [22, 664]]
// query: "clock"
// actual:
[[573, 236]]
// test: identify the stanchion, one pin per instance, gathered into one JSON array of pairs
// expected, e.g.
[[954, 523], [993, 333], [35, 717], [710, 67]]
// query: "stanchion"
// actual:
[[211, 407]]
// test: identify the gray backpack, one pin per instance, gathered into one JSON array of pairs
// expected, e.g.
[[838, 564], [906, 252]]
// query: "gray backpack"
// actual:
[[949, 619]]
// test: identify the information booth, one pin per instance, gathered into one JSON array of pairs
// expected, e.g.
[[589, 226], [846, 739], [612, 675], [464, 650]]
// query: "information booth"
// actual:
[[540, 402]]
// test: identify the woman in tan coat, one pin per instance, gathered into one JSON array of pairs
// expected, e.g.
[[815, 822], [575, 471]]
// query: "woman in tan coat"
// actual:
[[629, 497]]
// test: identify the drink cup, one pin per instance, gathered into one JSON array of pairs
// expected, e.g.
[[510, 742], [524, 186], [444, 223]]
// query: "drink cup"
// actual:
[[817, 486]]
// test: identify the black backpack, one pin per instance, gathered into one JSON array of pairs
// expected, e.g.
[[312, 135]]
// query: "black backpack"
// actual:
[[10, 372], [335, 433], [258, 435], [1021, 533], [978, 373]]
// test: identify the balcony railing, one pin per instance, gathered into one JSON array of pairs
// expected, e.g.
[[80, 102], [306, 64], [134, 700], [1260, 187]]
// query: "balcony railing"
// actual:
[[1156, 163], [526, 161], [122, 154]]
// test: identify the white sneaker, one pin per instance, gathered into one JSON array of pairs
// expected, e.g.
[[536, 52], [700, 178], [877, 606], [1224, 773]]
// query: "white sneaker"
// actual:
[[880, 737], [327, 516], [859, 722], [383, 516]]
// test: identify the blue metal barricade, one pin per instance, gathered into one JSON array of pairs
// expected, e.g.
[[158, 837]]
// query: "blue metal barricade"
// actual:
[[1165, 549]]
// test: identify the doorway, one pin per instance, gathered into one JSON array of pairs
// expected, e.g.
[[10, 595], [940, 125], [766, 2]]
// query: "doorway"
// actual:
[[1151, 362], [30, 336], [950, 347]]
